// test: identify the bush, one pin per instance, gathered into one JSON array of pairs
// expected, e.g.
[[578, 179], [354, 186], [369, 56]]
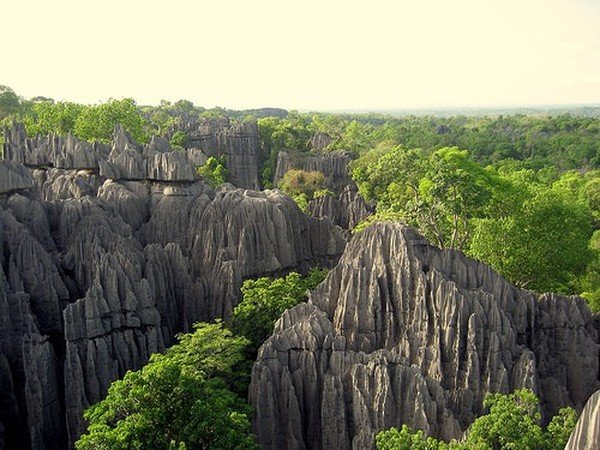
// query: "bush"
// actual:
[[213, 172]]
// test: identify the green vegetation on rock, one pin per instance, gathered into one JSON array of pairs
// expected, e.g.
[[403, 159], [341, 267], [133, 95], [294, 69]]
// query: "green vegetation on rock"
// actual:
[[182, 399], [213, 171], [513, 422], [265, 299], [303, 186]]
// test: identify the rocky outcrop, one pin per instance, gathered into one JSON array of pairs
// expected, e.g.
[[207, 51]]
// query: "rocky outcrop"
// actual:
[[14, 177], [236, 142], [333, 165], [401, 332], [64, 152], [61, 184], [345, 210], [129, 160], [320, 141], [586, 434], [97, 274]]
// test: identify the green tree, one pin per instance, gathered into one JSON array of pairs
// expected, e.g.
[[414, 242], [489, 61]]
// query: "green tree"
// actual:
[[97, 122], [213, 171], [179, 139], [180, 399], [440, 193], [265, 299], [10, 104], [277, 134], [407, 439], [48, 117], [542, 245], [512, 423]]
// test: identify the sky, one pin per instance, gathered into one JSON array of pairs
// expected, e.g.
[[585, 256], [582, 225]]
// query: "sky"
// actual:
[[306, 55]]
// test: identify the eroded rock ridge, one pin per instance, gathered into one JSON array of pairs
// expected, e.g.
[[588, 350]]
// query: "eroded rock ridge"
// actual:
[[401, 332], [104, 259]]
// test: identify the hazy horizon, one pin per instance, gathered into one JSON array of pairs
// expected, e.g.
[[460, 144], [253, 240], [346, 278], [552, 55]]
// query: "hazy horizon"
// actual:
[[310, 56]]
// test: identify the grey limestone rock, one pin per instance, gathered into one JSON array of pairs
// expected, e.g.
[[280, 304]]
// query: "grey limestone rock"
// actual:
[[401, 332], [62, 184], [129, 160], [64, 152], [345, 210], [320, 141], [586, 434], [14, 177], [237, 142], [98, 270]]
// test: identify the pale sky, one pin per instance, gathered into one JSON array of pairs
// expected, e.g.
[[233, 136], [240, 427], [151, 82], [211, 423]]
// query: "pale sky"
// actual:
[[327, 54]]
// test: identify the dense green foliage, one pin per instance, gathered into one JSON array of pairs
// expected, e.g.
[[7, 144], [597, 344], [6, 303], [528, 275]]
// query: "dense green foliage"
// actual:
[[440, 193], [303, 186], [513, 422], [181, 399], [213, 171], [534, 227], [191, 397], [560, 141], [265, 299]]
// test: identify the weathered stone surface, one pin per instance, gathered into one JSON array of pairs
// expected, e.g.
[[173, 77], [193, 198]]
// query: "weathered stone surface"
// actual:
[[320, 141], [401, 332], [345, 210], [333, 165], [14, 177], [97, 274], [237, 142], [586, 434], [30, 390], [64, 152], [129, 160], [62, 184]]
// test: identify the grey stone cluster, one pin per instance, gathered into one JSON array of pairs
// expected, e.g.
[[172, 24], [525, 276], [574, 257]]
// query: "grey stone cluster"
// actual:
[[100, 268], [346, 210], [236, 142], [128, 160], [402, 332]]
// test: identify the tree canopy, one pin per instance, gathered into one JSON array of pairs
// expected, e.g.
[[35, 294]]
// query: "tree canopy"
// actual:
[[182, 399], [265, 299]]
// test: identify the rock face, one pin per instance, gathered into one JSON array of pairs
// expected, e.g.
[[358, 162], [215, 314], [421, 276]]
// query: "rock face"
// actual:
[[128, 160], [401, 332], [237, 142], [13, 177], [155, 161], [101, 267], [586, 434], [64, 152], [345, 210], [333, 165], [320, 141]]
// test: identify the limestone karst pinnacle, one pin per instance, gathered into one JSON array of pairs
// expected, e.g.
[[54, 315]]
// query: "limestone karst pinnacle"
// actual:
[[401, 332], [106, 253]]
